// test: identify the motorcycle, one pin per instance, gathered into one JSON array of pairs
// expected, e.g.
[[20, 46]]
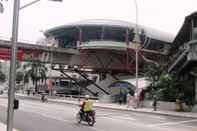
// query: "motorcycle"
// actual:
[[87, 117], [43, 98]]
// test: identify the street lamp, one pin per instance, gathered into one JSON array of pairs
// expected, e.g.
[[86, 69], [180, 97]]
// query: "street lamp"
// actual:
[[12, 79], [1, 8], [137, 41]]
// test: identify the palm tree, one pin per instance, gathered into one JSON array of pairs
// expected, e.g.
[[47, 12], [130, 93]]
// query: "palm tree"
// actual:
[[36, 71], [2, 75]]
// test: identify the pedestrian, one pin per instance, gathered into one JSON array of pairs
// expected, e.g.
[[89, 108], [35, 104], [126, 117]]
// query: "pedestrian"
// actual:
[[120, 98], [136, 100], [154, 103], [28, 92], [130, 100], [141, 97]]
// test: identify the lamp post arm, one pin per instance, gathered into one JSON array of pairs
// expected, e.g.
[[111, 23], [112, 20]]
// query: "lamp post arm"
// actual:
[[29, 4], [136, 15]]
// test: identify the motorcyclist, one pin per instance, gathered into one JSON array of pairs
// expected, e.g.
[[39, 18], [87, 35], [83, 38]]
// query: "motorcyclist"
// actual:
[[86, 106], [43, 98]]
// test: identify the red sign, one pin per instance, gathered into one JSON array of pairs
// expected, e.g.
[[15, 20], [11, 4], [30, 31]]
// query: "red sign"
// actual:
[[5, 54]]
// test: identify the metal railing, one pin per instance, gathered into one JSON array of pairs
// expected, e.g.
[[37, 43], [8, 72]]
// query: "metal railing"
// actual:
[[75, 96]]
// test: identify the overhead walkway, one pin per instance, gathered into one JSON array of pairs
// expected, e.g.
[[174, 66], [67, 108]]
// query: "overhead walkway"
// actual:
[[33, 52]]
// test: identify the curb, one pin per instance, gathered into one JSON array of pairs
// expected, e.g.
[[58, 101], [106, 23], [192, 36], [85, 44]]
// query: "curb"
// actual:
[[112, 108]]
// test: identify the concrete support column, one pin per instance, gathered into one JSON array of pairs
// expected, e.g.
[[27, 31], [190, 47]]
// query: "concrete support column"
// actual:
[[196, 89]]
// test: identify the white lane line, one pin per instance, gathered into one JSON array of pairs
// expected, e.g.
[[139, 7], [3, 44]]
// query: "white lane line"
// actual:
[[106, 114], [152, 116], [96, 129], [172, 123], [119, 118], [108, 118], [116, 116], [124, 118]]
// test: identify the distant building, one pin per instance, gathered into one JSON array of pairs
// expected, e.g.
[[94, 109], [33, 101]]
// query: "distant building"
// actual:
[[183, 53]]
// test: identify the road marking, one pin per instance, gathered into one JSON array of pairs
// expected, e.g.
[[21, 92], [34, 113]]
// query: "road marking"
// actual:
[[172, 123], [152, 116], [106, 114], [119, 118], [96, 129], [125, 118]]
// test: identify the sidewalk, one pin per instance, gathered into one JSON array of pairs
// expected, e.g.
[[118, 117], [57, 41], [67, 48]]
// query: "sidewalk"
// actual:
[[115, 106], [124, 108]]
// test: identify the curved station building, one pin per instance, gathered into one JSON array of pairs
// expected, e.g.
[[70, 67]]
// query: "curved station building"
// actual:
[[108, 47]]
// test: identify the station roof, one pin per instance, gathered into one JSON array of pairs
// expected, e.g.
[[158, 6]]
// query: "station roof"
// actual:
[[72, 30]]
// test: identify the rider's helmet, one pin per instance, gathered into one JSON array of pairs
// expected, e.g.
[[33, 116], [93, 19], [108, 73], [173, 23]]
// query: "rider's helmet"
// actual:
[[87, 97]]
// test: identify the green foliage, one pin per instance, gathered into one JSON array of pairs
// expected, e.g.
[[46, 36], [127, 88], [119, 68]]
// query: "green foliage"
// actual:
[[2, 75], [36, 71], [163, 85], [18, 64], [189, 93], [167, 89]]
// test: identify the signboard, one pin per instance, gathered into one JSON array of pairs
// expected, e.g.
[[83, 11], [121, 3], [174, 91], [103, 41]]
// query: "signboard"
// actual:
[[25, 55], [5, 54]]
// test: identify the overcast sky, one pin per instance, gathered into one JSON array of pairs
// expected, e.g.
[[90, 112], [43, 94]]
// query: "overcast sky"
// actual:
[[165, 15]]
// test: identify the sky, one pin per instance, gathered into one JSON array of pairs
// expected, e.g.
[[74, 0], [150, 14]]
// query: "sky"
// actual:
[[164, 15]]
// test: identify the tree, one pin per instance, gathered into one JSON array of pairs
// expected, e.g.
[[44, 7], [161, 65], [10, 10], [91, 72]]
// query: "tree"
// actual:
[[163, 84], [36, 71], [2, 75], [167, 87], [153, 73]]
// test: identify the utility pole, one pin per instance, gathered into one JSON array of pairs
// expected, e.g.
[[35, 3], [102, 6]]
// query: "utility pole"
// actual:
[[11, 95], [12, 79], [136, 41]]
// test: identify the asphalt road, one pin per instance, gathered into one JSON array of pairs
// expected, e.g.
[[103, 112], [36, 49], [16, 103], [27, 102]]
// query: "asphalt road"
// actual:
[[37, 116]]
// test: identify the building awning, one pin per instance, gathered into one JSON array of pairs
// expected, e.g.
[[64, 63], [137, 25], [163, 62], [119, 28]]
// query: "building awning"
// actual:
[[142, 82]]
